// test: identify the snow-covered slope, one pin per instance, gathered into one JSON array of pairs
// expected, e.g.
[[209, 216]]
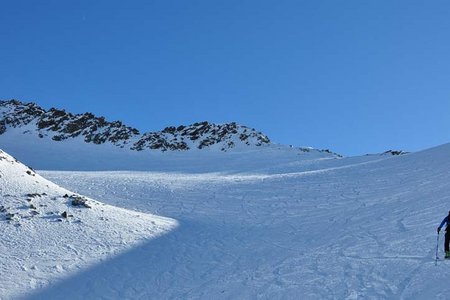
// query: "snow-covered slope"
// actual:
[[48, 233], [359, 228], [59, 125], [86, 142], [256, 222]]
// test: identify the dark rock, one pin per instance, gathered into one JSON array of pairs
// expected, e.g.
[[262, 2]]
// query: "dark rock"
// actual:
[[2, 127], [79, 201], [58, 138], [395, 152], [33, 195], [171, 130]]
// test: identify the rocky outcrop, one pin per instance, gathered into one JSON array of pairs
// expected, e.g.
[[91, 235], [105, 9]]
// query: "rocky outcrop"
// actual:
[[395, 152], [200, 135]]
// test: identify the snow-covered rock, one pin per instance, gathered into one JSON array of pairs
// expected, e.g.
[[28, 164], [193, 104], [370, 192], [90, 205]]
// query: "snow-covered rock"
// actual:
[[395, 152], [59, 125], [49, 233]]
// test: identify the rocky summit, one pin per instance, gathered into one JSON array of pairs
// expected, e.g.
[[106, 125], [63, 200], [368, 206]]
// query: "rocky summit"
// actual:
[[59, 125]]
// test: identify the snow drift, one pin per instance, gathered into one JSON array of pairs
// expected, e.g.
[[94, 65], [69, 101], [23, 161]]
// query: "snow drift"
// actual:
[[49, 232], [359, 228]]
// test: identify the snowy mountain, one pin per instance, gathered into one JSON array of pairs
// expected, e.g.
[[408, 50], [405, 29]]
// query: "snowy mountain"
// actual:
[[252, 222], [49, 232], [59, 125], [87, 142]]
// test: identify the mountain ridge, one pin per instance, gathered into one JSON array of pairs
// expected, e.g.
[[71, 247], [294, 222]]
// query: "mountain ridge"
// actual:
[[58, 124]]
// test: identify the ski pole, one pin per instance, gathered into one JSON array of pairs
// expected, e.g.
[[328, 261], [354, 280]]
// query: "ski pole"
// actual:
[[437, 249]]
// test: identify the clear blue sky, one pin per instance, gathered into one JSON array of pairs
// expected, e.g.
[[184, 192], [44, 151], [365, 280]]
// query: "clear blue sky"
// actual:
[[353, 76]]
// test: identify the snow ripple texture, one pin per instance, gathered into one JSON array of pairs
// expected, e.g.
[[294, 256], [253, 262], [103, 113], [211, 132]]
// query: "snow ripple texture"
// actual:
[[357, 228]]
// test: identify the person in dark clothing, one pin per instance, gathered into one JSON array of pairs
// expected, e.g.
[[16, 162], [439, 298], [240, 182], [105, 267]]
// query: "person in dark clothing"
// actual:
[[447, 235]]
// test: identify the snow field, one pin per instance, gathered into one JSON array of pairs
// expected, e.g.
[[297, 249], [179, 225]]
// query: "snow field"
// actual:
[[358, 228]]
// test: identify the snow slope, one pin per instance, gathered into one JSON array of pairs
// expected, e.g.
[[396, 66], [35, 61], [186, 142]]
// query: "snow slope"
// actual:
[[59, 140], [320, 228], [49, 233], [75, 154]]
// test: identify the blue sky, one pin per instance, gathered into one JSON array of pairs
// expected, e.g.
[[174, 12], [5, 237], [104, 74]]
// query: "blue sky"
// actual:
[[353, 76]]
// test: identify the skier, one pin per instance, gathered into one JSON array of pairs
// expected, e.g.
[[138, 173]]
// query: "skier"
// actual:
[[447, 235]]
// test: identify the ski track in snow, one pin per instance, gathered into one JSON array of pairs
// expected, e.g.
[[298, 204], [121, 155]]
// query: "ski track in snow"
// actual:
[[360, 231]]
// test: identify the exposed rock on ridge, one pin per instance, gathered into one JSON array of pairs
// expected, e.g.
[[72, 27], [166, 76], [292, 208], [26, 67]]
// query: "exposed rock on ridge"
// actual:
[[61, 125]]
